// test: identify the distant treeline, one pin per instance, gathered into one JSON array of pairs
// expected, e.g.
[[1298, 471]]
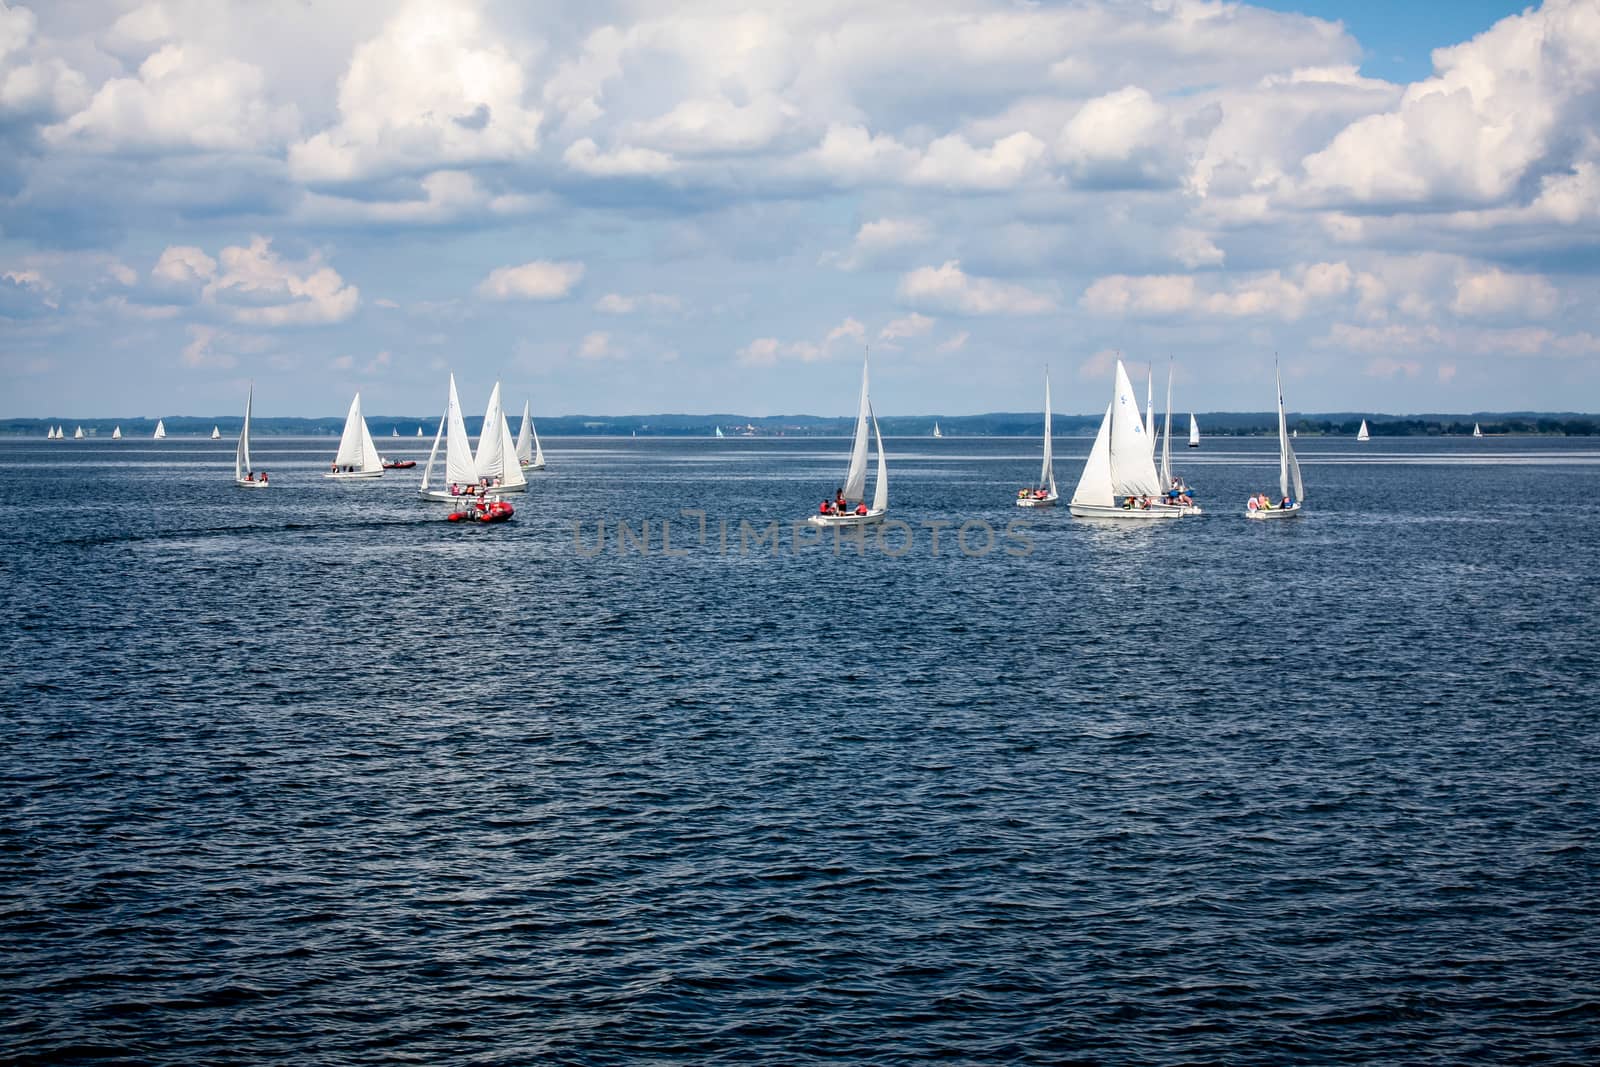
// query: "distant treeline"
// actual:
[[1000, 424]]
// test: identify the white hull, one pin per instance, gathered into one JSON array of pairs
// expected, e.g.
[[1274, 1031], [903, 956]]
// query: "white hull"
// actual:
[[1035, 502], [445, 496], [346, 476], [871, 518], [1274, 513], [1182, 509], [532, 466], [242, 484], [1101, 511]]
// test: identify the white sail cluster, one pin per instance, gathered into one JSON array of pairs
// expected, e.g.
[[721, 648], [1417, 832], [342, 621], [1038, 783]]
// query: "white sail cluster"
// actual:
[[498, 461]]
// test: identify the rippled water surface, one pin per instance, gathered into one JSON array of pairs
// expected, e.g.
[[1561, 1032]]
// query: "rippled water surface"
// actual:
[[310, 775]]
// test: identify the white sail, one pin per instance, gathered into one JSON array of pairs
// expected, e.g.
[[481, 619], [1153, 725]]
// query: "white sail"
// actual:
[[241, 454], [720, 433], [77, 433], [419, 431], [530, 453], [936, 431], [161, 430], [1150, 414], [880, 490], [489, 459], [394, 432], [1133, 469], [216, 433], [356, 449], [511, 476], [1166, 436], [116, 432], [1194, 432], [525, 435], [855, 482], [1047, 470], [1094, 485], [1476, 431], [1362, 434], [1288, 466]]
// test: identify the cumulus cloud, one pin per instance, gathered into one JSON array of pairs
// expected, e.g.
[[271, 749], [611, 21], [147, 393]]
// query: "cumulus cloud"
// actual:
[[185, 266], [627, 161], [202, 350], [541, 279], [952, 289], [599, 345], [881, 240], [768, 351], [1270, 293], [1494, 292], [182, 99], [915, 324], [255, 287], [1498, 109], [438, 87]]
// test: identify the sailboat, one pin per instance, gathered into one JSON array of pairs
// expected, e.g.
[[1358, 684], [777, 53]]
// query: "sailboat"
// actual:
[[459, 472], [1120, 465], [243, 474], [1043, 494], [51, 433], [940, 433], [855, 480], [393, 432], [77, 433], [161, 431], [720, 433], [530, 453], [1194, 432], [116, 432], [496, 459], [358, 456], [1288, 472], [1477, 431], [216, 433], [1362, 434], [1175, 493], [419, 431]]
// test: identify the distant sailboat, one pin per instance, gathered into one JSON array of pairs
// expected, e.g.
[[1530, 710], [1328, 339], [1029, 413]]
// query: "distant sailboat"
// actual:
[[1288, 473], [419, 431], [357, 456], [116, 432], [1121, 464], [1362, 434], [243, 474], [1194, 432], [77, 433], [1476, 431], [393, 432], [459, 472], [720, 433], [496, 459], [216, 433], [530, 453], [940, 433], [855, 480], [161, 431], [1043, 494]]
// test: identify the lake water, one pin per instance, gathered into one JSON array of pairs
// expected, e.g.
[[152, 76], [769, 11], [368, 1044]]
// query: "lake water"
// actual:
[[311, 775]]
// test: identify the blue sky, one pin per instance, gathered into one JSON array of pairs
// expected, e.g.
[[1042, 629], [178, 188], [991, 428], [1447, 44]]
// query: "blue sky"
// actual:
[[631, 207]]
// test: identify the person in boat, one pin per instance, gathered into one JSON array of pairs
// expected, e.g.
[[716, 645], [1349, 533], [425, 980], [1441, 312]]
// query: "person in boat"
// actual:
[[1252, 504], [838, 500], [249, 477], [861, 508], [1022, 494], [1286, 503], [263, 477]]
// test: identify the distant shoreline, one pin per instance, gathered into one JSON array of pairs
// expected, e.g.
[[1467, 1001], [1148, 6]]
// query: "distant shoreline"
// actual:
[[999, 424]]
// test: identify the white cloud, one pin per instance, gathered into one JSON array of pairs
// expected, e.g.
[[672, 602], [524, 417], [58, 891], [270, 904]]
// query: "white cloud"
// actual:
[[445, 196], [955, 342], [618, 304], [628, 161], [1494, 292], [1194, 249], [878, 241], [715, 125], [541, 279], [201, 352], [255, 287], [768, 351], [184, 265], [1498, 108], [1268, 293], [951, 288], [915, 324], [952, 163], [598, 345], [437, 88], [182, 99]]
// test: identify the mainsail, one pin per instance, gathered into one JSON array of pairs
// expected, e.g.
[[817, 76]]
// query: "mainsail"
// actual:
[[1047, 470], [241, 454], [855, 482], [356, 449], [1288, 466]]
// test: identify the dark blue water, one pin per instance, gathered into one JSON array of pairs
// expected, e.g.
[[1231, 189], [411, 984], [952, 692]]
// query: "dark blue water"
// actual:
[[309, 775]]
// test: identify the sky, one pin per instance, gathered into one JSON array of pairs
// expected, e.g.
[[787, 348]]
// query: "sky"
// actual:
[[705, 207]]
